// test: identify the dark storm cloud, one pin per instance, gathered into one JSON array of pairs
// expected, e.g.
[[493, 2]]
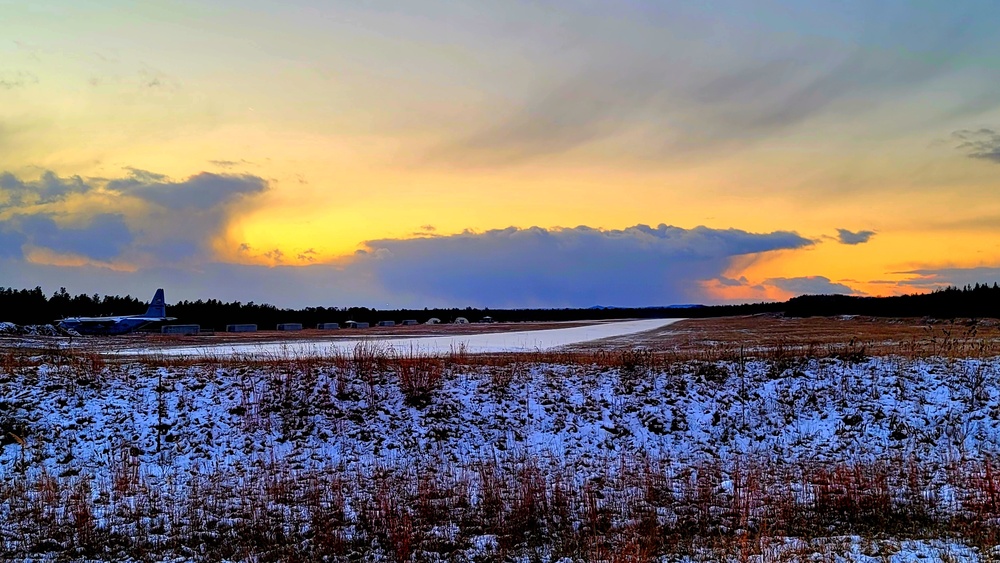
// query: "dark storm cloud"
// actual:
[[847, 237], [983, 144], [576, 267], [186, 214], [510, 267]]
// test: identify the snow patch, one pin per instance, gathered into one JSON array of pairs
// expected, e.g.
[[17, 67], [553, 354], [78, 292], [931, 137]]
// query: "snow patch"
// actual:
[[521, 341]]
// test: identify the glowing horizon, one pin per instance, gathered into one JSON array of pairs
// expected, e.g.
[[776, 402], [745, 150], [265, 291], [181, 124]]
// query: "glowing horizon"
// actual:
[[343, 147]]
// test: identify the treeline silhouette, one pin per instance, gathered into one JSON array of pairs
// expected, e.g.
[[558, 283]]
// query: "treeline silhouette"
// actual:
[[31, 306], [975, 301]]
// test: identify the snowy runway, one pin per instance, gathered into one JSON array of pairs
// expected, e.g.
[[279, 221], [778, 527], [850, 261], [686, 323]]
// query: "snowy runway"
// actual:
[[525, 341]]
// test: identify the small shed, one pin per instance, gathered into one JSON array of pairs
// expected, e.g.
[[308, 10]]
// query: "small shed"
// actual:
[[186, 330], [387, 323], [328, 326], [461, 321], [410, 322], [487, 320], [289, 326], [355, 324], [241, 328]]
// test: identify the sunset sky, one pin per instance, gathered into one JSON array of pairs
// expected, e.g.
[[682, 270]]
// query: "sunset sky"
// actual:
[[501, 154]]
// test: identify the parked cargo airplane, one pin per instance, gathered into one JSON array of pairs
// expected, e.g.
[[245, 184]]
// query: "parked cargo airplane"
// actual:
[[157, 312]]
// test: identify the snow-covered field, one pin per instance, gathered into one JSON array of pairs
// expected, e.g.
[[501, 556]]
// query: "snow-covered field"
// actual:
[[165, 452], [472, 343], [937, 410]]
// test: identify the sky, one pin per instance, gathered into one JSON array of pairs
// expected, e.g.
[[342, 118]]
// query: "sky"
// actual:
[[499, 154]]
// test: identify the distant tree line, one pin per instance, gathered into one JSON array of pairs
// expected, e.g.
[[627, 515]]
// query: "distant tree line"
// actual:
[[216, 314], [32, 306], [971, 301]]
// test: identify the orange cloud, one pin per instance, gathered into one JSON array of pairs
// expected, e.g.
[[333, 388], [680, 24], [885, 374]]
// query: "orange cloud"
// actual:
[[46, 256]]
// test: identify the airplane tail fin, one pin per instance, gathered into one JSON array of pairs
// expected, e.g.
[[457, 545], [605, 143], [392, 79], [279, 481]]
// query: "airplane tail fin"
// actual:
[[157, 307]]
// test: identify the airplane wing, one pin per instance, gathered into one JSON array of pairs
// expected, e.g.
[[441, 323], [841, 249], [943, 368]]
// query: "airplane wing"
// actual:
[[95, 321]]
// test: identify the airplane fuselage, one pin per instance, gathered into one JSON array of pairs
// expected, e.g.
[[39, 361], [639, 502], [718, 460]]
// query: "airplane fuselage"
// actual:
[[107, 325], [157, 312]]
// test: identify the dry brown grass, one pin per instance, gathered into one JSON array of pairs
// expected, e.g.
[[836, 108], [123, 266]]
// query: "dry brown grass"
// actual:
[[639, 510], [735, 339], [761, 335], [724, 338]]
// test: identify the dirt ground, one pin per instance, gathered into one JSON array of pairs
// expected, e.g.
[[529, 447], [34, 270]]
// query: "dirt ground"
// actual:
[[920, 336], [723, 335]]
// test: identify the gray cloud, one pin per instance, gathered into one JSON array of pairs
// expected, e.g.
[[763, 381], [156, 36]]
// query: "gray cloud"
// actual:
[[173, 248], [227, 164], [810, 285], [18, 79], [308, 255], [930, 278], [186, 214], [596, 104], [11, 242], [511, 267], [176, 226], [33, 51], [730, 282], [982, 144], [48, 188], [804, 285], [201, 191], [318, 285], [103, 237], [575, 267], [848, 237], [151, 79], [667, 89]]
